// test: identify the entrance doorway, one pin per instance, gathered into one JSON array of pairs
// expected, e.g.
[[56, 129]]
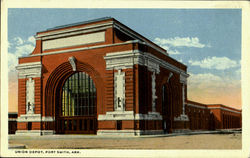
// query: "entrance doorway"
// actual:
[[77, 106], [166, 110]]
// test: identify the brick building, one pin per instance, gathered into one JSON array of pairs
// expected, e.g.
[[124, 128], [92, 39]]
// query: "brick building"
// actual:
[[101, 77], [211, 117]]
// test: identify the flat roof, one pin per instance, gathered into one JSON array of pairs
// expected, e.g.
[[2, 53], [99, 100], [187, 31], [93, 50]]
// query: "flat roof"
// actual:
[[78, 23]]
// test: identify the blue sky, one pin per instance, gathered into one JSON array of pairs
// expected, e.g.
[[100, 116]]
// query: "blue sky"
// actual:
[[208, 41]]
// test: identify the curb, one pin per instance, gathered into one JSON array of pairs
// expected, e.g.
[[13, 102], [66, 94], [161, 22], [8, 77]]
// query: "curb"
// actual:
[[17, 146]]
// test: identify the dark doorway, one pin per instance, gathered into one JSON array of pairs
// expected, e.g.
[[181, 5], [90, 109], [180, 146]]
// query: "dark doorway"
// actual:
[[166, 109]]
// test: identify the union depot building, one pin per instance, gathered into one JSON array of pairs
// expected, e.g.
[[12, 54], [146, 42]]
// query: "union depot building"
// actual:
[[101, 77]]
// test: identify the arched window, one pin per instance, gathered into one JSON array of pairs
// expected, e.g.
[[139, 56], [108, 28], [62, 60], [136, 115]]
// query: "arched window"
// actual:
[[78, 96]]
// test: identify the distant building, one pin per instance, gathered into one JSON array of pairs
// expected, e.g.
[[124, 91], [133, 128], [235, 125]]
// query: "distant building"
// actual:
[[12, 120], [101, 77]]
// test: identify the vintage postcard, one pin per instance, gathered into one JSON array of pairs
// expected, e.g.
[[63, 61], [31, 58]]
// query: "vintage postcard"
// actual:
[[124, 79]]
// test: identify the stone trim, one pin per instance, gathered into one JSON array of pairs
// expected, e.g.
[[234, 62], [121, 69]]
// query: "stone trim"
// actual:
[[119, 91], [12, 119], [30, 96], [181, 130], [129, 132], [122, 60], [77, 40], [129, 115], [72, 61], [183, 78], [84, 48], [26, 70], [169, 76], [126, 59], [183, 99], [34, 118], [93, 28], [154, 97], [181, 118], [34, 132]]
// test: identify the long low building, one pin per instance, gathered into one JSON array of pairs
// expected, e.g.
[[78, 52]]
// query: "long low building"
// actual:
[[212, 116], [101, 77]]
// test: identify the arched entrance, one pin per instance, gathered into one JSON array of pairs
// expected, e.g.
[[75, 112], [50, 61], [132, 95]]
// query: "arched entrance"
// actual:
[[79, 123], [76, 113]]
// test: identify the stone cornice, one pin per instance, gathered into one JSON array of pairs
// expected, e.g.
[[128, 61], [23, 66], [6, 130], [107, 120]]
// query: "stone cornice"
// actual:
[[33, 69], [126, 59]]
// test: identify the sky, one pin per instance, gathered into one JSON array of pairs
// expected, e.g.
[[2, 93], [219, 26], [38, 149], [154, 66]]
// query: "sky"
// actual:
[[208, 41]]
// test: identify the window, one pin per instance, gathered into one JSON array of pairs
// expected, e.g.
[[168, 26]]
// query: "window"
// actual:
[[78, 96]]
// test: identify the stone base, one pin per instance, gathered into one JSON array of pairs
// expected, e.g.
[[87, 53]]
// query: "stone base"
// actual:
[[128, 132], [129, 115], [181, 131], [29, 118], [182, 117], [34, 132]]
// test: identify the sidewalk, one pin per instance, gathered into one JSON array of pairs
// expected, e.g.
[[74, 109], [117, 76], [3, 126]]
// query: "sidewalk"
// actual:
[[220, 139], [70, 136]]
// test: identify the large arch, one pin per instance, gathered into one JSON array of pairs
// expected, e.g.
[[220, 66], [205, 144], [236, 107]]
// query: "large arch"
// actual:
[[56, 80], [167, 102]]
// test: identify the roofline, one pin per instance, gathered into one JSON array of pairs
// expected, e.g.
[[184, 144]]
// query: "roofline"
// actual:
[[116, 24], [76, 24], [221, 106]]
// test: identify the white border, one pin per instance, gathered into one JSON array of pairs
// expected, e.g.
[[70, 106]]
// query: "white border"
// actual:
[[136, 4]]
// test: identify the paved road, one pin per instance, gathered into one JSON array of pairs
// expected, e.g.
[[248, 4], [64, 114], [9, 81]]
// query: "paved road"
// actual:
[[200, 141]]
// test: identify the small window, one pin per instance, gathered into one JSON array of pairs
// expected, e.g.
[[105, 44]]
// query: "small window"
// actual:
[[119, 125], [29, 125]]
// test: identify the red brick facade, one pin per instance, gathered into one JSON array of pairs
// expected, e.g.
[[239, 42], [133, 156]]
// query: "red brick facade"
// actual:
[[140, 89]]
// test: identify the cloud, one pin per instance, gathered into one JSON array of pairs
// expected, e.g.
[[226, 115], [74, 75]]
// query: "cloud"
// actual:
[[32, 40], [218, 63], [18, 40], [19, 47], [173, 52], [181, 42], [209, 81]]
